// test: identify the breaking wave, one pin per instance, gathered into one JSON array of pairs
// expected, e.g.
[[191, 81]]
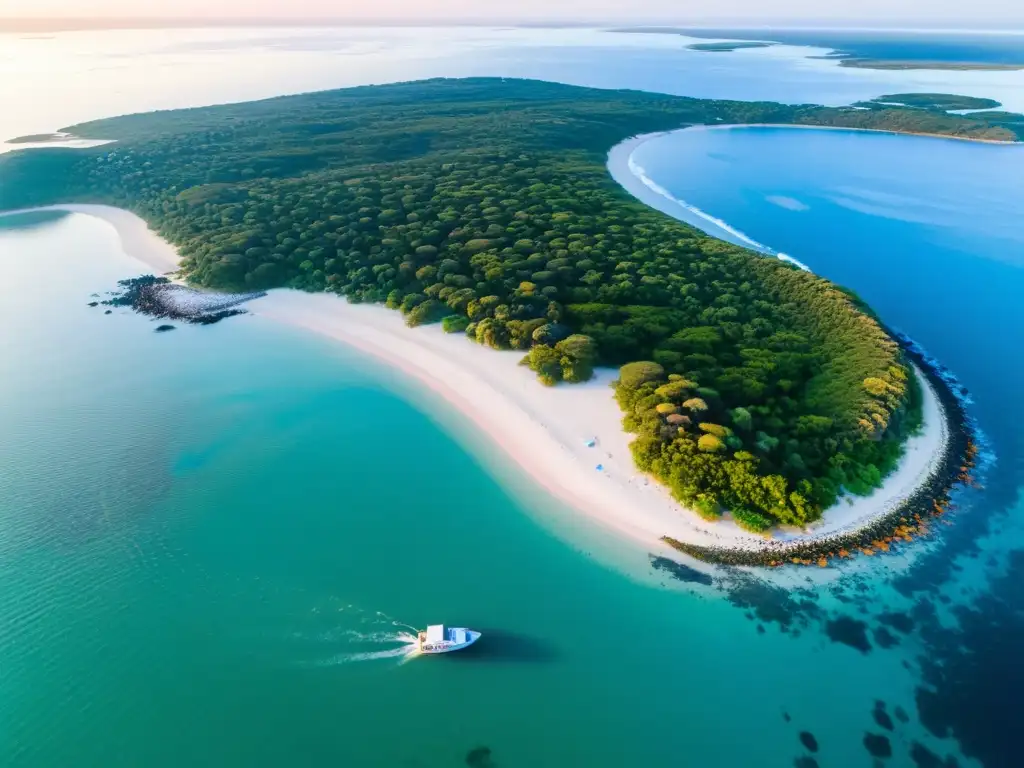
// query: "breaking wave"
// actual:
[[986, 458], [719, 224]]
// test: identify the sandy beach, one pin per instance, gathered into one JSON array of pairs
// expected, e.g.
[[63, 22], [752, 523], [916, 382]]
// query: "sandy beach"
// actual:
[[137, 239], [545, 430]]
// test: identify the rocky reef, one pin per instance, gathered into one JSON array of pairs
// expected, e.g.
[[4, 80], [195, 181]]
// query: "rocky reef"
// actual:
[[159, 297]]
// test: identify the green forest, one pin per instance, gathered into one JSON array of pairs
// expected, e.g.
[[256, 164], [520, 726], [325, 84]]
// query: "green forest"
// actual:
[[485, 205]]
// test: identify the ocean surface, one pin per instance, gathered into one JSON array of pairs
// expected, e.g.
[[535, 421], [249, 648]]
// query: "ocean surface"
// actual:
[[988, 47], [213, 541]]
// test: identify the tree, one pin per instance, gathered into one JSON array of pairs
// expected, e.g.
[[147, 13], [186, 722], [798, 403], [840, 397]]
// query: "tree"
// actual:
[[429, 311], [751, 521], [546, 363], [492, 332], [715, 429], [675, 390], [695, 404], [550, 333], [634, 375], [454, 323], [578, 355], [876, 386], [742, 419], [710, 444]]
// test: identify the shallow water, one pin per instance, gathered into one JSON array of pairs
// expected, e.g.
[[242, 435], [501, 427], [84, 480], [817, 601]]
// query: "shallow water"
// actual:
[[210, 539]]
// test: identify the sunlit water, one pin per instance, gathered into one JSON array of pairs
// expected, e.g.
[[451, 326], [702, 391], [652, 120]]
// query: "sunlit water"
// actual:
[[215, 543]]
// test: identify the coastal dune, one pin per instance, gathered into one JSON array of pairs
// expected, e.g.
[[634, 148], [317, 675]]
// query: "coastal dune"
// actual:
[[569, 438]]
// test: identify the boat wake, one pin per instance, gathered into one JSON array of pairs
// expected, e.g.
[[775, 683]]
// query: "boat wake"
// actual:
[[719, 225], [361, 636], [405, 648]]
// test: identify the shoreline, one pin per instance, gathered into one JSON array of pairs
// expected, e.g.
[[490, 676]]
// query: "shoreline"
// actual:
[[910, 518], [806, 126], [953, 459], [137, 239], [633, 178], [546, 430]]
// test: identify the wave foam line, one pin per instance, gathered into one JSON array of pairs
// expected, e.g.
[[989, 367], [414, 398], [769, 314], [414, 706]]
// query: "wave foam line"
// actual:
[[638, 171], [986, 457]]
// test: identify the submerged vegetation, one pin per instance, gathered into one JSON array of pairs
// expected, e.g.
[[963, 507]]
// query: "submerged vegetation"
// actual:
[[485, 205]]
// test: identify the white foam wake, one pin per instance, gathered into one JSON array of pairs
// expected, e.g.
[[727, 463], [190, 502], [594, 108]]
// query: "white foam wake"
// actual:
[[718, 224], [361, 636], [405, 647]]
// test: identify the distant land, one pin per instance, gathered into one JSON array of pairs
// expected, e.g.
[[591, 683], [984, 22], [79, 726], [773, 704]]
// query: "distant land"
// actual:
[[878, 49], [955, 66], [725, 47], [940, 101], [988, 109]]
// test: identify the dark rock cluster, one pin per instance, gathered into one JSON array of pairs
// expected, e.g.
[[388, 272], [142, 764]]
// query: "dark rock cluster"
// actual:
[[159, 297]]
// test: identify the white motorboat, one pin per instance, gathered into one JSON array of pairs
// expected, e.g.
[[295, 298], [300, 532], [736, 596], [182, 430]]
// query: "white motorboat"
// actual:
[[441, 639]]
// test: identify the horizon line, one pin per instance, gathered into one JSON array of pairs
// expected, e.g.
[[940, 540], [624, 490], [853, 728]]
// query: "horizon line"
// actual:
[[79, 23]]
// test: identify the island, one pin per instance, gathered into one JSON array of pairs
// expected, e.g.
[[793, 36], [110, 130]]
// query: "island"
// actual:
[[943, 102], [987, 109], [851, 48], [730, 45], [907, 64], [756, 391]]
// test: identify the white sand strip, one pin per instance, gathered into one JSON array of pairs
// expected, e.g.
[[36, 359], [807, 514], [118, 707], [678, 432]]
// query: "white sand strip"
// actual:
[[546, 429]]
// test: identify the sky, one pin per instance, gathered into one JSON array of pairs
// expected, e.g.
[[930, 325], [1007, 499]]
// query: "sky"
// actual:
[[869, 13]]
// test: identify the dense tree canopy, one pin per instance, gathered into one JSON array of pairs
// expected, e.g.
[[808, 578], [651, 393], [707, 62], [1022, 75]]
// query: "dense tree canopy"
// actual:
[[486, 205]]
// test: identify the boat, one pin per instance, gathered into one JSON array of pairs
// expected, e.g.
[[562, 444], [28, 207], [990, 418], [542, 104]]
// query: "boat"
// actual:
[[438, 638]]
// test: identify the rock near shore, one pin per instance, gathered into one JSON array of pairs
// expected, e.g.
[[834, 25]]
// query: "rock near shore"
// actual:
[[159, 297]]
